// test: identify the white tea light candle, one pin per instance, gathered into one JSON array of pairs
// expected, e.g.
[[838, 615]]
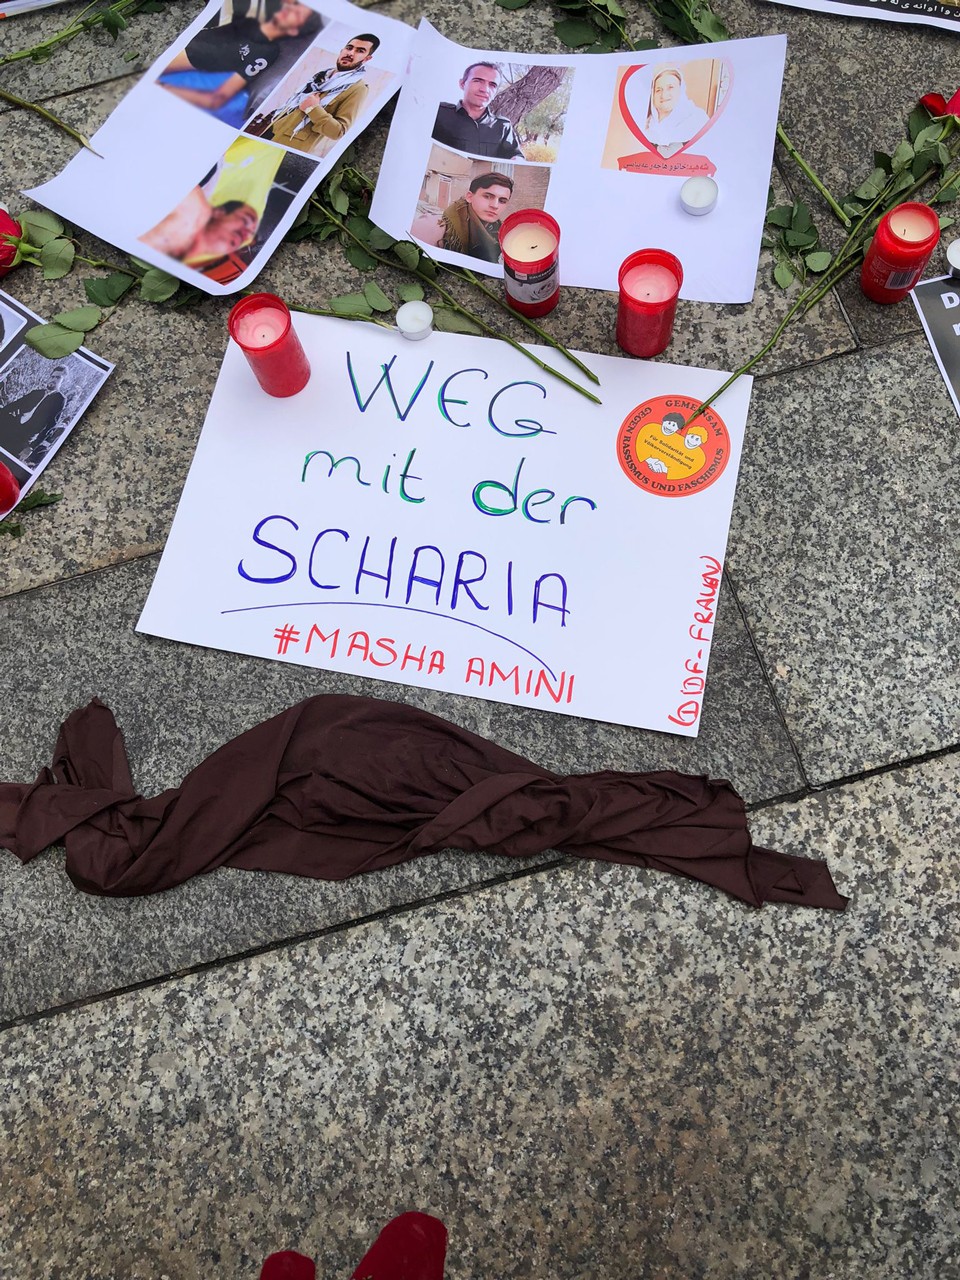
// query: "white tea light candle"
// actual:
[[699, 196], [529, 242], [260, 327], [953, 257], [415, 320]]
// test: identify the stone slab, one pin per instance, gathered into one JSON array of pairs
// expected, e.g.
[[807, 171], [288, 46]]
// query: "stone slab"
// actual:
[[177, 703], [843, 547], [589, 1072]]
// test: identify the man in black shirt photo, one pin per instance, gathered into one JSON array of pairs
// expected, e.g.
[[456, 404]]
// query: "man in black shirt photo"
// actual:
[[470, 125], [238, 52], [29, 420]]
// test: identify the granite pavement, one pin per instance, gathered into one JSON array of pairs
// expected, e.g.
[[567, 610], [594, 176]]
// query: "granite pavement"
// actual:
[[587, 1071]]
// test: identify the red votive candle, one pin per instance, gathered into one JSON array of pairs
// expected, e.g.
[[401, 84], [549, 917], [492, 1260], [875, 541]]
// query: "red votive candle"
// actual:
[[530, 244], [261, 327], [900, 249], [649, 281]]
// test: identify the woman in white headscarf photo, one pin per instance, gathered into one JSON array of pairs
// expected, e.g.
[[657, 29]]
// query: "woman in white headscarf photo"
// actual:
[[672, 118]]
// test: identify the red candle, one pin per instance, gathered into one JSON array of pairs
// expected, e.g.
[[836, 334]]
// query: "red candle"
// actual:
[[261, 327], [530, 243], [649, 281], [900, 249]]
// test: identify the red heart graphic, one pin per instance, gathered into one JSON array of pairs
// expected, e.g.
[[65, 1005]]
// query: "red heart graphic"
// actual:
[[635, 129]]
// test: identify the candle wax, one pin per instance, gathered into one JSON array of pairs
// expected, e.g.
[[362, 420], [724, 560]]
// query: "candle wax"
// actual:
[[911, 225], [529, 242], [650, 282], [260, 328]]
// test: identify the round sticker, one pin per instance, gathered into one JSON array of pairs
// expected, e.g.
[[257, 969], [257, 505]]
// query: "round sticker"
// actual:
[[659, 454]]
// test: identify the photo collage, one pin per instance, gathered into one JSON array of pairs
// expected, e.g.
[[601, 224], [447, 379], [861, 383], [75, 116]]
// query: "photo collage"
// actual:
[[40, 399], [492, 147], [293, 83]]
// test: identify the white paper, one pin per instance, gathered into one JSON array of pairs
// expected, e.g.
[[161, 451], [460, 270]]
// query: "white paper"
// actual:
[[929, 13], [593, 593], [168, 168], [41, 400], [604, 212]]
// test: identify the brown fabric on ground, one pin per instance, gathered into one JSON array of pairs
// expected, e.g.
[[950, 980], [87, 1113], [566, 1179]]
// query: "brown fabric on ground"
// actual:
[[338, 785]]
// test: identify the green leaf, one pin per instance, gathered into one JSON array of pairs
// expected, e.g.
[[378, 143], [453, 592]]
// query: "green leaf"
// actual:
[[801, 239], [917, 121], [853, 208], [360, 226], [951, 192], [707, 24], [39, 226], [379, 240], [513, 4], [408, 253], [646, 44], [428, 267], [574, 33], [607, 42], [928, 136], [922, 161], [56, 258], [818, 261], [157, 286], [781, 216], [882, 161], [611, 6], [870, 189], [53, 340], [376, 297], [113, 22], [943, 155], [410, 291], [783, 274], [81, 319], [902, 156], [449, 321], [766, 242], [946, 221], [108, 292], [800, 219], [351, 304], [358, 257]]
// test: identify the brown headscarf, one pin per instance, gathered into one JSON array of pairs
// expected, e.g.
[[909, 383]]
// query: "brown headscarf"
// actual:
[[338, 785]]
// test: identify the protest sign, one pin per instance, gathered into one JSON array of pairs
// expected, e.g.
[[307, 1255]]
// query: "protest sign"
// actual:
[[442, 514]]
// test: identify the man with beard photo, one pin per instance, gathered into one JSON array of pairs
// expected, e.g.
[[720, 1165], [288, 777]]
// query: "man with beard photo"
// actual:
[[327, 106]]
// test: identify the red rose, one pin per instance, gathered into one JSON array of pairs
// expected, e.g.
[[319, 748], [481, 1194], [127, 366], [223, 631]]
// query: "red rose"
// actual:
[[935, 103], [8, 227], [9, 490]]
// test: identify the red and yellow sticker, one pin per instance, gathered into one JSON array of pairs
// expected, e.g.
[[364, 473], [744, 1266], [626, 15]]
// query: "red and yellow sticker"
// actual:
[[658, 454]]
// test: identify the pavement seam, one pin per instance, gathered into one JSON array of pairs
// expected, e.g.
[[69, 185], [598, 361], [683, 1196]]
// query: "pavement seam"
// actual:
[[285, 944]]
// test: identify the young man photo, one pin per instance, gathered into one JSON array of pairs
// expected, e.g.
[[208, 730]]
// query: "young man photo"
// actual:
[[227, 60], [471, 225], [469, 125], [325, 108]]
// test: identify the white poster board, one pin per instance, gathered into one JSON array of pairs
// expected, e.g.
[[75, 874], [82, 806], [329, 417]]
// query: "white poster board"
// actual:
[[442, 514], [203, 168], [599, 155]]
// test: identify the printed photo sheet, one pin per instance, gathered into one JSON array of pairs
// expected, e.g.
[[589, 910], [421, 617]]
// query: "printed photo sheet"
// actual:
[[41, 400], [603, 143], [441, 514], [206, 162], [930, 13]]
